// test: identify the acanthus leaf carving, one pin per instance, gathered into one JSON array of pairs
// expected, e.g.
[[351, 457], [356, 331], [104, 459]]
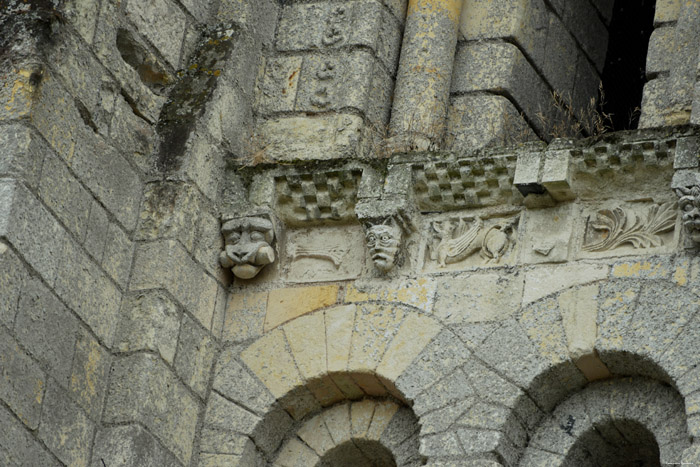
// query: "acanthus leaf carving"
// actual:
[[627, 226]]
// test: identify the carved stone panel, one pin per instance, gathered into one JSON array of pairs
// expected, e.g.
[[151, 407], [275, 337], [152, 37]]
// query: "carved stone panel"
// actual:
[[630, 228], [547, 233], [689, 204], [462, 242], [330, 253]]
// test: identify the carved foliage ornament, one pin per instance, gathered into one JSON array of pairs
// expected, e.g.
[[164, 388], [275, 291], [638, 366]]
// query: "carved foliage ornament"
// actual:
[[689, 204], [625, 225], [248, 245]]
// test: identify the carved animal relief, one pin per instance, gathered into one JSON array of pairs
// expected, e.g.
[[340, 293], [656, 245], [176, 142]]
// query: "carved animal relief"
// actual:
[[248, 246], [689, 205], [639, 228], [383, 242], [458, 239]]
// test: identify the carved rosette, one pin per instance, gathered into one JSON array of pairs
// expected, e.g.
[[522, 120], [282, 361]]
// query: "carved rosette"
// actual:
[[248, 245]]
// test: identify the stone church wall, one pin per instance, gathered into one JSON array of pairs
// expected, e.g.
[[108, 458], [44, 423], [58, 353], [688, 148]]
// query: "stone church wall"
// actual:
[[241, 232]]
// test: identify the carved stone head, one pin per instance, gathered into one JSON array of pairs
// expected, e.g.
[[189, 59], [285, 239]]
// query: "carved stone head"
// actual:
[[689, 204], [248, 245], [383, 242]]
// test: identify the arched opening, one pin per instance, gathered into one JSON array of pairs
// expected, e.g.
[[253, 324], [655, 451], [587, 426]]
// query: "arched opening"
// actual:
[[623, 443], [358, 453], [624, 73]]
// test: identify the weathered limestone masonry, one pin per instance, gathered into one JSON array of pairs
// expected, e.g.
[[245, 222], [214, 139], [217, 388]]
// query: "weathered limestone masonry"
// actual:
[[301, 233]]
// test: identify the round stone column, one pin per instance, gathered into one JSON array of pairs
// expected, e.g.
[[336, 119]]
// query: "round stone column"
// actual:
[[425, 74]]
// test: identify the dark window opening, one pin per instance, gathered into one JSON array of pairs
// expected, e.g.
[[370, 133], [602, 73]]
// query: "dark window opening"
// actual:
[[624, 72]]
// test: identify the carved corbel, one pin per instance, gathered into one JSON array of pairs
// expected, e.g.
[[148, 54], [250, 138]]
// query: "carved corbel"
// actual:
[[387, 225], [249, 244], [689, 204]]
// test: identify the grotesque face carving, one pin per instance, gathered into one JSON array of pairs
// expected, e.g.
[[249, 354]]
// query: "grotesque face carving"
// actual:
[[689, 204], [248, 246], [383, 242]]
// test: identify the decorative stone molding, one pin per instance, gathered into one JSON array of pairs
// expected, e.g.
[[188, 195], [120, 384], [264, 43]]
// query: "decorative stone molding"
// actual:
[[689, 204], [317, 196], [638, 227], [248, 245], [464, 183]]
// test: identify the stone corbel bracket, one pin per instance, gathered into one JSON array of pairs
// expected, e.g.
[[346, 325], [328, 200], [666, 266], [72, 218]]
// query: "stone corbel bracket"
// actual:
[[249, 243], [545, 173], [686, 185]]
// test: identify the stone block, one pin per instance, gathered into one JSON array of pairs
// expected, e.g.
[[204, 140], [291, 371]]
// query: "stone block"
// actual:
[[245, 316], [557, 175], [18, 446], [96, 232], [338, 82], [327, 254], [364, 23], [22, 382], [547, 234], [375, 328], [655, 99], [478, 120], [222, 442], [523, 20], [89, 82], [584, 23], [528, 173], [687, 153], [437, 359], [13, 276], [279, 84], [413, 335], [88, 382], [286, 304], [65, 428], [118, 253], [65, 196], [236, 383], [294, 452], [439, 445], [82, 14], [17, 94], [451, 389], [150, 321], [88, 292], [501, 67], [316, 435], [130, 446], [558, 68], [319, 137], [419, 293], [134, 136], [661, 50], [22, 153], [226, 416], [21, 215], [666, 11], [199, 297], [540, 282], [200, 9], [110, 178], [209, 244], [510, 352], [46, 329], [195, 356], [273, 364], [478, 297], [142, 389], [163, 23]]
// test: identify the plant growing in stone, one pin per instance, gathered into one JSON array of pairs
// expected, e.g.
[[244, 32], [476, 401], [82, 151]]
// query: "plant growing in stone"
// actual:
[[574, 122]]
